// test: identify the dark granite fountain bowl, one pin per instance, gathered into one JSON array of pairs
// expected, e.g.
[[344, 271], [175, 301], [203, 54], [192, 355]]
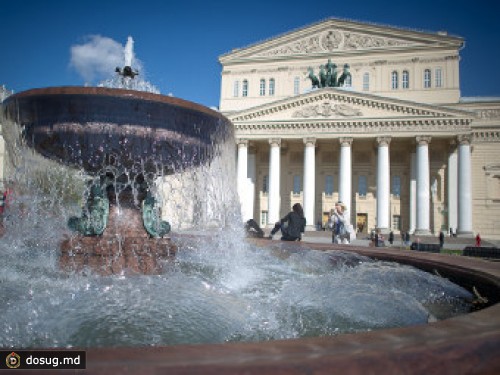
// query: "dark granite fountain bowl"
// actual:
[[123, 137], [95, 127]]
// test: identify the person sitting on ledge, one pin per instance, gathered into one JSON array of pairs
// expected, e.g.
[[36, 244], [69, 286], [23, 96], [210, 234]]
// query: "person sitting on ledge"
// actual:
[[252, 229], [292, 225]]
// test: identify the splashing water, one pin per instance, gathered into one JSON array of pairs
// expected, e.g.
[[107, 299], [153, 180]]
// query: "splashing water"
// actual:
[[218, 289], [129, 83], [129, 51]]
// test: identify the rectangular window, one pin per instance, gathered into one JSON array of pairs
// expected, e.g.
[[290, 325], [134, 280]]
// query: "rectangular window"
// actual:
[[396, 222], [265, 184], [439, 77], [406, 79], [296, 184], [245, 88], [427, 78], [328, 185], [296, 86], [262, 87], [236, 89], [396, 186], [263, 218], [394, 80], [362, 186], [366, 82], [271, 87]]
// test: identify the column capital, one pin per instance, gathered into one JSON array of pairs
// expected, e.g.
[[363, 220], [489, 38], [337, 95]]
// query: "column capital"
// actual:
[[423, 140], [242, 142], [310, 141], [464, 139], [384, 140], [275, 141], [345, 141]]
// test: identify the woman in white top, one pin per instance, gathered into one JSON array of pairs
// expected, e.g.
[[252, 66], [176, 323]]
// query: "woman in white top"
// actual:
[[337, 223]]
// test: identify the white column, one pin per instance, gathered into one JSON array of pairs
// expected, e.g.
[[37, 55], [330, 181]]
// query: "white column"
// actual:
[[242, 174], [383, 184], [413, 193], [423, 187], [274, 182], [345, 175], [452, 177], [309, 180], [464, 227], [252, 177]]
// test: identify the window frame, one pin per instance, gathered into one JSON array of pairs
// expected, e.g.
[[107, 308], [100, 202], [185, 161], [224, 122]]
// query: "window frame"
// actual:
[[366, 81], [244, 89], [262, 91], [272, 87], [236, 88], [394, 80], [438, 77], [296, 86], [427, 78], [329, 192], [405, 79], [364, 178]]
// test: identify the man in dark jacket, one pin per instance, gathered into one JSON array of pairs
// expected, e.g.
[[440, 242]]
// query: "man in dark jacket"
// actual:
[[292, 225]]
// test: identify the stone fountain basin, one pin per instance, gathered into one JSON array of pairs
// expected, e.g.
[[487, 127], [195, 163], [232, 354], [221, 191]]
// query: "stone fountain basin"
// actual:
[[96, 127], [468, 344]]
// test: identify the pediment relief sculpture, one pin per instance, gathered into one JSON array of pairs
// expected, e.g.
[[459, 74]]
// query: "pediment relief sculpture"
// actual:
[[334, 40], [327, 109]]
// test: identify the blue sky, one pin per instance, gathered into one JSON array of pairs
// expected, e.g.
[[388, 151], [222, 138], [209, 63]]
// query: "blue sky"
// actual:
[[179, 42]]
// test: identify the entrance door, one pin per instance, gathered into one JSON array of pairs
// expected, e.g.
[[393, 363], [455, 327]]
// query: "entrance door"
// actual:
[[362, 223]]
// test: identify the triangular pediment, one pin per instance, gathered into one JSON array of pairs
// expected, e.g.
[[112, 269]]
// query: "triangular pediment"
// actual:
[[334, 104], [333, 36]]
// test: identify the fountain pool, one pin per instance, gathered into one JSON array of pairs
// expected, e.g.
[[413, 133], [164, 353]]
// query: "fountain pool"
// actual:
[[213, 292]]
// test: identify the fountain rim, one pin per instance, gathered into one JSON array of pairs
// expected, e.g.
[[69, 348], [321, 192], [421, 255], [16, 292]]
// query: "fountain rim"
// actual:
[[467, 343], [115, 92]]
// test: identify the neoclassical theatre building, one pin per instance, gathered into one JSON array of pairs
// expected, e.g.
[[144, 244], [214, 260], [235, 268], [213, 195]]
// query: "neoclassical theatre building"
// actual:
[[393, 139]]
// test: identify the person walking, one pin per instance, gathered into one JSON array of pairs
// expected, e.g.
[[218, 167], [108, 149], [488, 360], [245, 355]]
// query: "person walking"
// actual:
[[478, 240], [391, 237], [441, 239], [292, 225]]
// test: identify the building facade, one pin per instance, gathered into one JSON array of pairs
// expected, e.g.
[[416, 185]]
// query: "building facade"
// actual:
[[396, 143]]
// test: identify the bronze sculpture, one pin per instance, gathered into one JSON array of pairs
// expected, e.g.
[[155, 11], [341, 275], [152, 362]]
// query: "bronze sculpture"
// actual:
[[328, 76]]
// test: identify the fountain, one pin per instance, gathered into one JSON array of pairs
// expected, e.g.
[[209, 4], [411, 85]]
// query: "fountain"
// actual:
[[124, 141], [254, 307]]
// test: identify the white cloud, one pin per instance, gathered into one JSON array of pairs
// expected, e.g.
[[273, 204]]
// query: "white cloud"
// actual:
[[97, 58]]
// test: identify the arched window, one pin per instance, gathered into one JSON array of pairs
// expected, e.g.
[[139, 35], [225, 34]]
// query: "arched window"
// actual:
[[296, 86], [366, 81], [236, 89], [245, 88], [427, 78], [406, 79], [438, 77], [394, 80], [271, 87], [262, 87]]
